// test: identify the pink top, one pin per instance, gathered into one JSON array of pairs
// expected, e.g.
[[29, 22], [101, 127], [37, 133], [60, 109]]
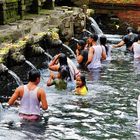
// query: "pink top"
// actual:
[[30, 104]]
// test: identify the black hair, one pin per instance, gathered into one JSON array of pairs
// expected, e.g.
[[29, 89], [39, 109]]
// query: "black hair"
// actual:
[[94, 36], [83, 79], [33, 75], [63, 59], [103, 41], [82, 44], [64, 71], [129, 29], [85, 39]]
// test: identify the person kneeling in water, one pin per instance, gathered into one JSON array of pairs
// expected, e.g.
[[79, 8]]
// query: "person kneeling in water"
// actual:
[[81, 88], [61, 79], [31, 96]]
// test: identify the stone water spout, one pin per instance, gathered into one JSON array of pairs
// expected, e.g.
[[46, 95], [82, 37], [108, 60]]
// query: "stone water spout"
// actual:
[[76, 40], [95, 26], [5, 70], [38, 50], [68, 48], [86, 31], [17, 58]]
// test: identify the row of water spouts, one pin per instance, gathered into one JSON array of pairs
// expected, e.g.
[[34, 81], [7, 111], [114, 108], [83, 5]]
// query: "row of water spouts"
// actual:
[[3, 68]]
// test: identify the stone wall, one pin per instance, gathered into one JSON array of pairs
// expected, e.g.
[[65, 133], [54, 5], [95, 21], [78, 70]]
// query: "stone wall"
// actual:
[[11, 10], [8, 11], [43, 29], [132, 17], [126, 10], [116, 1]]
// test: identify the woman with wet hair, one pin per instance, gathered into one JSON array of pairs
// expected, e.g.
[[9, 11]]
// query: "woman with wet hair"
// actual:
[[62, 60], [61, 79], [103, 43], [81, 53]]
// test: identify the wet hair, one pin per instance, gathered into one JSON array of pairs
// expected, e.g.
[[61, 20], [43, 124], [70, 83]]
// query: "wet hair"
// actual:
[[85, 39], [63, 59], [81, 43], [94, 36], [129, 29], [83, 79], [33, 75], [103, 41], [64, 71]]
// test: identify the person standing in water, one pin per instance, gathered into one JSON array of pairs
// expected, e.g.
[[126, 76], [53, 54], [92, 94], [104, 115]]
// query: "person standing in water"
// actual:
[[127, 40], [81, 53], [136, 49], [96, 53], [31, 97], [103, 43]]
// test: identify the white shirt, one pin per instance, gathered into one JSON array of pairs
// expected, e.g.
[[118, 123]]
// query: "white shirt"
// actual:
[[96, 61], [136, 49]]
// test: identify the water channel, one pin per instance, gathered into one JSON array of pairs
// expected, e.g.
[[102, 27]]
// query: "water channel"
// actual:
[[107, 112]]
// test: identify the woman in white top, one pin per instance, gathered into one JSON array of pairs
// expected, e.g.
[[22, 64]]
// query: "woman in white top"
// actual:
[[136, 48]]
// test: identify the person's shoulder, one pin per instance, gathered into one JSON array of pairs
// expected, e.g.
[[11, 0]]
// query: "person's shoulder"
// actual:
[[41, 90], [135, 44], [21, 87], [125, 36]]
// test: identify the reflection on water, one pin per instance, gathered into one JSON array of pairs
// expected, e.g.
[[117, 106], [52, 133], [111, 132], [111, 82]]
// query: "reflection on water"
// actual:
[[137, 66], [107, 112]]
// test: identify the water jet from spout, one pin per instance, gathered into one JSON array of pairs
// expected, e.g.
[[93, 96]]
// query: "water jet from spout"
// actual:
[[17, 79], [68, 48], [30, 64], [95, 26]]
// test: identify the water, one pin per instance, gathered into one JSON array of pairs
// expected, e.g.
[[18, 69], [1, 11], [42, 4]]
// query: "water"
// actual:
[[30, 64], [68, 48], [14, 75], [48, 55], [95, 26], [107, 112]]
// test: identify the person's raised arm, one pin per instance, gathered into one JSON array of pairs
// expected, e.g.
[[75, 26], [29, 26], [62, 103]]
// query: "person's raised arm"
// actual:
[[53, 65]]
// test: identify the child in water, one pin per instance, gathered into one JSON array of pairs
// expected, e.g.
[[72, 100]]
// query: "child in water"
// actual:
[[81, 88], [61, 79]]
